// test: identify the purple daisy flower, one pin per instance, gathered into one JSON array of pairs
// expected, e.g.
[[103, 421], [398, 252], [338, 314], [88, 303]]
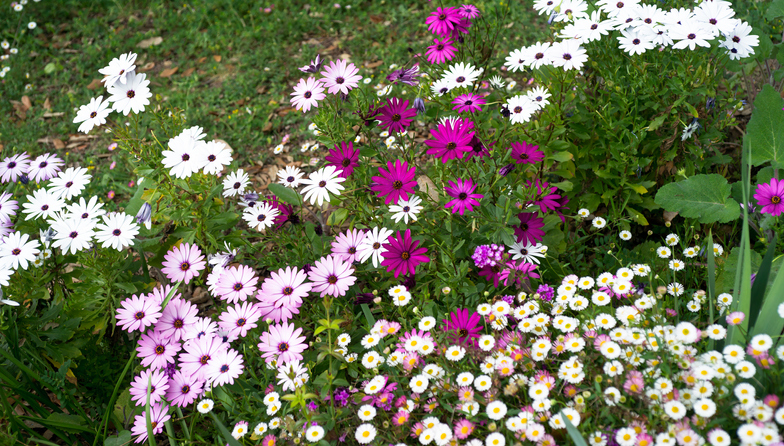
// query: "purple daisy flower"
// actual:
[[770, 197], [545, 197], [441, 51], [396, 182], [282, 343], [281, 294], [183, 263], [443, 20], [156, 350], [468, 11], [45, 167], [159, 414], [469, 102], [225, 367], [340, 77], [332, 276], [345, 158], [406, 76], [14, 167], [237, 320], [402, 255], [530, 229], [8, 206], [464, 196], [492, 272], [236, 284], [178, 315], [159, 384], [517, 272], [198, 354], [183, 389], [138, 313], [465, 325], [395, 116], [526, 153], [345, 245], [451, 140]]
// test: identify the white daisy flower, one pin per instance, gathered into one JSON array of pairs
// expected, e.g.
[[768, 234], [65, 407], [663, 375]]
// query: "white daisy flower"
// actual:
[[92, 114], [235, 183], [119, 69], [320, 183], [118, 231], [69, 183], [405, 209], [133, 95], [290, 177], [261, 216]]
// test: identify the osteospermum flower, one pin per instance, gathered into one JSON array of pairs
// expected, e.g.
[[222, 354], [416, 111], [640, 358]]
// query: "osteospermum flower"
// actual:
[[18, 250], [183, 263], [119, 69], [138, 313], [92, 114], [345, 158], [396, 181], [395, 116], [44, 167], [198, 354], [526, 153], [371, 245], [443, 20], [463, 196], [155, 380], [133, 95], [282, 343], [402, 254], [236, 284], [307, 94], [441, 51], [451, 140], [346, 244], [69, 183], [469, 102], [320, 183], [770, 197], [340, 77], [261, 216], [216, 155], [183, 389], [118, 230], [14, 166], [235, 183], [8, 206], [529, 230], [159, 414], [157, 350], [281, 294], [178, 315], [291, 176], [464, 324], [240, 318], [224, 368], [330, 275], [72, 234]]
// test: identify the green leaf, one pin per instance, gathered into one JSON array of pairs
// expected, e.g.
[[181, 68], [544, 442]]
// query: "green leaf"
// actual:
[[775, 10], [704, 197], [573, 432], [286, 194], [760, 283], [562, 156], [637, 217], [337, 217], [368, 315], [225, 432], [565, 186], [122, 439], [769, 320], [765, 131]]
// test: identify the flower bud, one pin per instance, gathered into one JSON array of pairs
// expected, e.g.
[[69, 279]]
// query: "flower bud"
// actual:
[[419, 105], [446, 290], [144, 216]]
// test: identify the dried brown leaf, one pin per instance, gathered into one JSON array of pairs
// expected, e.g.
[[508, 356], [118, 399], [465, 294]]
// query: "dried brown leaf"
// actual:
[[96, 83], [188, 72], [152, 41], [58, 144], [47, 104], [217, 58], [168, 72], [26, 102], [373, 64], [427, 185]]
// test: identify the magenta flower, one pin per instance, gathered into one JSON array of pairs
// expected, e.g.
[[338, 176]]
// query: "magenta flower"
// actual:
[[281, 294], [452, 140], [332, 276], [340, 77], [394, 116], [344, 158], [492, 272], [236, 284], [183, 389], [237, 320], [526, 153], [441, 51], [183, 263], [468, 102], [178, 315], [157, 350], [307, 94], [345, 245], [464, 196], [443, 20], [468, 11], [225, 367], [545, 197], [198, 355], [465, 325], [159, 384], [530, 229], [138, 313], [770, 197], [282, 343], [402, 255], [516, 272], [406, 76], [159, 414], [396, 182]]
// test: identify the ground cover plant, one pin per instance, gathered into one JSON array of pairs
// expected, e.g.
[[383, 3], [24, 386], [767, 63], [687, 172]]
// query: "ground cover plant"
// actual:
[[467, 248]]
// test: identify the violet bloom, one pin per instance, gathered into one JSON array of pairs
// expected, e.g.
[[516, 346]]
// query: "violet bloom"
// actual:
[[526, 153], [769, 196], [396, 182], [281, 294], [138, 313], [236, 284], [469, 102], [14, 167], [443, 20], [485, 255], [183, 263], [340, 77], [530, 228], [464, 196], [468, 11], [282, 343], [517, 272], [395, 116], [441, 51], [406, 76], [158, 383], [178, 315], [237, 320], [44, 168], [332, 276], [183, 389], [198, 354], [545, 292], [419, 105], [544, 197], [345, 245], [345, 158], [402, 255], [451, 140], [465, 325], [314, 67], [159, 414], [156, 350]]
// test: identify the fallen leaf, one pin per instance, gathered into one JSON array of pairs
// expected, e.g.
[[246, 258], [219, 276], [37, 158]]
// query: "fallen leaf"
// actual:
[[267, 127], [26, 101], [53, 114], [188, 72], [167, 63], [168, 72], [285, 111], [668, 216], [147, 67], [1, 147], [426, 184], [201, 60], [146, 43], [376, 18], [58, 144], [261, 90], [373, 64], [217, 58], [345, 56], [96, 83], [47, 104], [21, 110]]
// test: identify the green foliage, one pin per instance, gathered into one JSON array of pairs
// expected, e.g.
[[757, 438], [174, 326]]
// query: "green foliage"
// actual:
[[702, 197], [765, 131]]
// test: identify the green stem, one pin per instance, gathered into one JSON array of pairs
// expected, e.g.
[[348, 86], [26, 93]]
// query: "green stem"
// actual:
[[184, 425], [109, 409]]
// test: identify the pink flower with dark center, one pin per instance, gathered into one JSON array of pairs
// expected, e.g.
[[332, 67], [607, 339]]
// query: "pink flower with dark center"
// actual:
[[198, 355], [443, 20], [183, 263], [282, 343], [340, 77], [14, 167], [402, 254], [44, 167], [492, 272], [160, 292], [464, 324], [158, 381], [469, 102], [771, 197], [224, 368], [526, 153], [345, 158], [332, 276], [183, 389], [441, 51], [203, 326], [157, 350], [395, 116], [178, 315], [464, 196], [530, 229], [138, 313], [345, 245], [236, 283], [468, 11], [281, 294], [8, 206], [240, 318], [396, 181], [544, 196], [452, 140], [307, 94], [159, 414]]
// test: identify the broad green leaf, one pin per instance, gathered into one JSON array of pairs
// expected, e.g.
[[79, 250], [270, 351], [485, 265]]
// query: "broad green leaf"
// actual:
[[775, 10], [573, 432], [122, 439], [637, 217], [562, 156], [284, 193], [760, 283], [225, 432], [704, 197], [769, 320], [765, 131], [639, 188]]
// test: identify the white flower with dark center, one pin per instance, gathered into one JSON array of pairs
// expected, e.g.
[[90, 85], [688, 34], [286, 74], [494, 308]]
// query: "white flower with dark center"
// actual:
[[261, 216], [92, 114], [461, 75], [133, 95], [14, 167], [405, 209], [18, 250], [568, 54], [8, 206], [372, 245], [530, 253], [516, 60], [72, 234], [118, 230], [320, 183], [635, 41], [537, 55], [521, 108], [716, 17], [291, 176], [740, 42], [186, 157], [70, 182], [119, 69], [614, 8], [44, 167], [538, 97], [235, 183], [216, 155], [42, 203], [86, 210], [690, 35]]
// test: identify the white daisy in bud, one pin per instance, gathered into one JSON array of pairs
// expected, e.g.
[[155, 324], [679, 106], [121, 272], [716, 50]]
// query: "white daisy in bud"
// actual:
[[119, 69], [235, 183], [92, 114], [290, 176], [133, 95]]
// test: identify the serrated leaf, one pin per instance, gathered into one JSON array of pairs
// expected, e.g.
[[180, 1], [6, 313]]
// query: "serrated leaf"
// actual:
[[704, 197], [765, 131], [284, 193]]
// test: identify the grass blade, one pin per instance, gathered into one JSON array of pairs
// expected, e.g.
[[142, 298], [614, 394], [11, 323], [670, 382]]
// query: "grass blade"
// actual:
[[711, 281], [760, 283], [573, 432], [769, 321], [225, 432]]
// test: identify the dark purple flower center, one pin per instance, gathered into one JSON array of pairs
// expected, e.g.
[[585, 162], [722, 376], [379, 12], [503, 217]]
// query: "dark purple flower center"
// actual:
[[122, 72], [397, 185], [442, 17], [204, 359], [468, 102], [288, 179], [178, 323], [139, 315], [159, 349], [518, 109], [713, 21], [288, 291], [211, 158], [93, 114], [524, 226], [396, 117], [339, 80], [332, 279], [322, 183], [241, 321], [352, 250], [376, 245], [691, 36], [261, 217], [539, 55], [460, 79], [463, 332], [85, 215], [648, 21], [224, 368], [237, 286], [42, 165], [405, 255], [406, 208], [16, 251], [237, 185], [185, 388], [619, 5], [69, 184], [440, 46], [346, 162], [307, 95], [185, 266], [116, 232], [636, 41], [44, 207], [283, 347], [73, 234], [462, 196], [594, 26], [12, 164], [735, 39], [567, 56], [186, 157], [131, 94]]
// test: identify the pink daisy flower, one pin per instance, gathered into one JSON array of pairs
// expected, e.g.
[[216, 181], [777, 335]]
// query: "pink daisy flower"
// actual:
[[281, 294], [464, 196], [159, 414], [396, 182], [332, 276], [443, 20], [452, 140], [14, 167], [224, 368], [468, 11], [202, 327], [771, 197], [6, 226], [177, 316], [160, 292], [463, 429], [8, 206], [237, 320], [183, 263], [526, 153], [198, 355], [402, 255], [441, 51], [395, 116], [345, 245], [45, 167], [345, 158], [307, 94], [530, 229], [517, 272], [157, 350], [340, 77], [236, 284], [138, 313], [159, 384], [282, 343], [735, 318], [183, 389], [469, 102]]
